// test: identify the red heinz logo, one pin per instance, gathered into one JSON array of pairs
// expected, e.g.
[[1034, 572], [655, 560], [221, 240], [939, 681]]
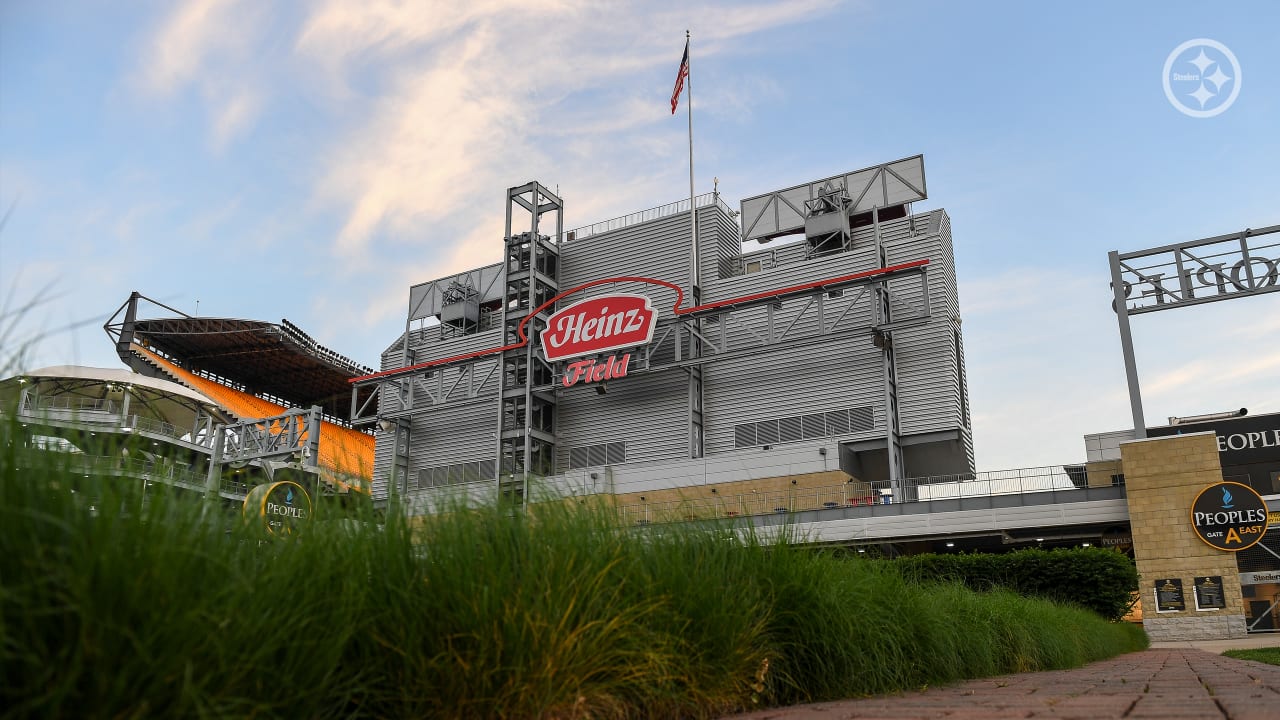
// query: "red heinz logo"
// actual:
[[597, 325]]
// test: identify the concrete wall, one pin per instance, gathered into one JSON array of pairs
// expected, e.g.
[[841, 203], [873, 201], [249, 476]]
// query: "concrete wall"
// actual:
[[1163, 477]]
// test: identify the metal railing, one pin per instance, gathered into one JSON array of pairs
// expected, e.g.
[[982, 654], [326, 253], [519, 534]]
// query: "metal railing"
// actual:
[[855, 494], [107, 412], [77, 404], [156, 427], [156, 471], [994, 482], [635, 218]]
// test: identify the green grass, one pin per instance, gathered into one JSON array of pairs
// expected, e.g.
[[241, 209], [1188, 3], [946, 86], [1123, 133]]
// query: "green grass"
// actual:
[[1269, 655], [112, 605]]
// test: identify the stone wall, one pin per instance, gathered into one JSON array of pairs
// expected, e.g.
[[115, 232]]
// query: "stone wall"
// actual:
[[1163, 477]]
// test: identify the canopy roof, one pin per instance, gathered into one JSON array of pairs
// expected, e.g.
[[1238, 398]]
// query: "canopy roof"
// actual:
[[269, 359], [80, 388]]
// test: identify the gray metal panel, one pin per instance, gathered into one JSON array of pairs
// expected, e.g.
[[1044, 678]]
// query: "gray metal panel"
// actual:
[[382, 463], [453, 435], [928, 366], [647, 412], [719, 247], [790, 268], [782, 211], [777, 384], [657, 249], [846, 373], [779, 261], [427, 344], [384, 442]]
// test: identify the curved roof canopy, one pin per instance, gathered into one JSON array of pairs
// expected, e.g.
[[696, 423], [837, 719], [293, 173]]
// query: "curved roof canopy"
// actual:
[[80, 388], [276, 360]]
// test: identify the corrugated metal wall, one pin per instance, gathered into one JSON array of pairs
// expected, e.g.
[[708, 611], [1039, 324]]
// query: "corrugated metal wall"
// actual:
[[384, 445], [649, 411]]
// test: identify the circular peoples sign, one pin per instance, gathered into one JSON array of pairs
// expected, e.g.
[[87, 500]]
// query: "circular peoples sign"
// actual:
[[283, 507], [1229, 516]]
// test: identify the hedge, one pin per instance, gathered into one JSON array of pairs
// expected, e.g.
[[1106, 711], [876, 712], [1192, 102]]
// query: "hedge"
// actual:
[[1097, 579]]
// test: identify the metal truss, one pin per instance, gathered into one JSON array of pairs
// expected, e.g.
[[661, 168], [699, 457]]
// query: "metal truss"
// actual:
[[1189, 273], [783, 212], [789, 317], [295, 435]]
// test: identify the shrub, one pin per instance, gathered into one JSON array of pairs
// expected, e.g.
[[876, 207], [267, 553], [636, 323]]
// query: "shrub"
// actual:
[[1100, 580], [120, 603]]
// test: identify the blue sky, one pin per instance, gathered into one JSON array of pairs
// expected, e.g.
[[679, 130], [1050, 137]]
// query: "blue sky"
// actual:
[[310, 161]]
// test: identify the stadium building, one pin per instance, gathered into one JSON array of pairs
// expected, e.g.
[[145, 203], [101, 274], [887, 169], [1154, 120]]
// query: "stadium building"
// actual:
[[797, 362], [208, 405], [809, 339]]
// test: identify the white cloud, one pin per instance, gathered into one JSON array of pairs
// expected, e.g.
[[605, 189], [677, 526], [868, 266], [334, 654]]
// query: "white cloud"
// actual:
[[182, 43], [234, 114], [211, 45], [470, 99]]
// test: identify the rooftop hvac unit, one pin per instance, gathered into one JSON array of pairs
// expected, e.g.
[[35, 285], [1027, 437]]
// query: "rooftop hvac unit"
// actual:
[[460, 306]]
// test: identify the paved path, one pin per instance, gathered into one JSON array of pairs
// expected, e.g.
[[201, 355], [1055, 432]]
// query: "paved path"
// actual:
[[1156, 683]]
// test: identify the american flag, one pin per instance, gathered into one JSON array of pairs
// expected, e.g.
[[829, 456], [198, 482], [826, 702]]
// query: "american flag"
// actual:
[[680, 76]]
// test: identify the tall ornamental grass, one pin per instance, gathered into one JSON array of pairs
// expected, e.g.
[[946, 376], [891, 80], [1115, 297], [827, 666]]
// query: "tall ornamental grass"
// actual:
[[120, 603]]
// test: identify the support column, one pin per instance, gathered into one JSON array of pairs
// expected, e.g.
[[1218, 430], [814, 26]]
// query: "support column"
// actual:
[[1126, 345], [882, 336]]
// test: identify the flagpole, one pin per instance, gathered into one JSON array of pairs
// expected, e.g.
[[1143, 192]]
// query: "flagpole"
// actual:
[[693, 217]]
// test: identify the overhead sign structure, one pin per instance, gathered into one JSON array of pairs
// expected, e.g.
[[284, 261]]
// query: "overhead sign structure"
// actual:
[[1229, 516], [1189, 273], [783, 212], [1200, 271]]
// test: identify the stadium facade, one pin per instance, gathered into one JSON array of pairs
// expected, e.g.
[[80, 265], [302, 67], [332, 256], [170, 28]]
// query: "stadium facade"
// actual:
[[797, 361], [214, 406], [810, 338]]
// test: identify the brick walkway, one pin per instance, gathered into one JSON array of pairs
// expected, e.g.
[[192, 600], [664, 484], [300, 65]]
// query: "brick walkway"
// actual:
[[1157, 683]]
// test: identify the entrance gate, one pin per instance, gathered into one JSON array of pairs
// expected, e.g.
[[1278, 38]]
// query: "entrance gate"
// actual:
[[1260, 583]]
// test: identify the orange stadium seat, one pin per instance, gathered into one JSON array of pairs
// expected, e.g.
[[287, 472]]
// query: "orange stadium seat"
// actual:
[[346, 454]]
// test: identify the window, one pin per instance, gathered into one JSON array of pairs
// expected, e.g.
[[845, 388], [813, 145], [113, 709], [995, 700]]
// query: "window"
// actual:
[[804, 427], [456, 474], [614, 453]]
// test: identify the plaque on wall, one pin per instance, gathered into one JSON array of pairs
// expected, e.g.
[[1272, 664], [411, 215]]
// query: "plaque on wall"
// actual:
[[1209, 593], [1169, 595]]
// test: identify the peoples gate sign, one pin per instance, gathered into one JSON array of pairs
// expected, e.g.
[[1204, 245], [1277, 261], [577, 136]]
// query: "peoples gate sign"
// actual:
[[1229, 516], [282, 507]]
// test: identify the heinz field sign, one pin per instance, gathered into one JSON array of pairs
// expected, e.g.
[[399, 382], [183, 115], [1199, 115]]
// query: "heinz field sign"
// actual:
[[596, 326]]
